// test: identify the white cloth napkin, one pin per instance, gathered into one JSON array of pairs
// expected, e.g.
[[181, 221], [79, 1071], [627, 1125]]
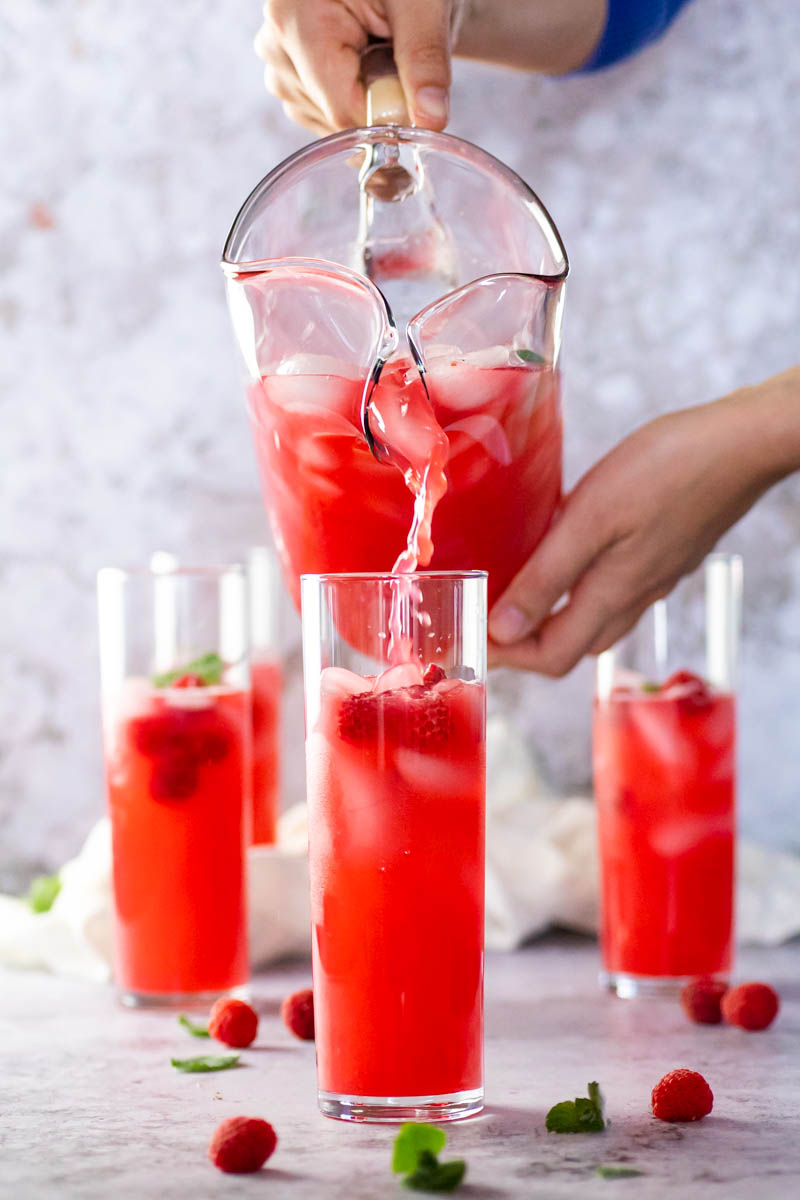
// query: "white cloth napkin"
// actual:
[[541, 870]]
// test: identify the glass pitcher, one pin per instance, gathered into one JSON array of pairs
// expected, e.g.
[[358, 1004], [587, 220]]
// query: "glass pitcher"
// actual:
[[397, 298]]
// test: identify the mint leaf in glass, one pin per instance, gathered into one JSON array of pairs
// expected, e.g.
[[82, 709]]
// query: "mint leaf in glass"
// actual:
[[647, 686], [581, 1115], [208, 667], [42, 892], [205, 1062], [529, 356], [192, 1028], [414, 1140], [612, 1172]]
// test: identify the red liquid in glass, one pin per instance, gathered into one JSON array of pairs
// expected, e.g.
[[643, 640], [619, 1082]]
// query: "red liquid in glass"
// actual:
[[178, 786], [664, 782], [266, 682], [496, 432], [396, 785]]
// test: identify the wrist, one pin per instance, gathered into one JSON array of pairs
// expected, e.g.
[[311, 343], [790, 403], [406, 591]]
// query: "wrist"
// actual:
[[554, 39], [765, 425]]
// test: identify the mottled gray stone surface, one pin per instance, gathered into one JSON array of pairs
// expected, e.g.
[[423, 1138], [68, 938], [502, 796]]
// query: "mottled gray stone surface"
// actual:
[[91, 1107], [131, 133]]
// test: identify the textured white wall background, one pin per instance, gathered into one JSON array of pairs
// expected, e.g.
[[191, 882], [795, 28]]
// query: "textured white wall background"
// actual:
[[130, 134]]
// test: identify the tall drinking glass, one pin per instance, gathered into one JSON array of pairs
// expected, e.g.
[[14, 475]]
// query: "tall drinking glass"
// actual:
[[395, 670], [664, 773], [176, 730], [266, 678]]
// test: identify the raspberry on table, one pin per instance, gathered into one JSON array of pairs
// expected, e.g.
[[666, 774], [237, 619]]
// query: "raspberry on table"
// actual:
[[682, 1095], [751, 1006], [233, 1022], [701, 1000], [297, 1012], [242, 1144]]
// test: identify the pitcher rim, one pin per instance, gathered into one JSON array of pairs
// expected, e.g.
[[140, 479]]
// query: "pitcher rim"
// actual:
[[389, 133]]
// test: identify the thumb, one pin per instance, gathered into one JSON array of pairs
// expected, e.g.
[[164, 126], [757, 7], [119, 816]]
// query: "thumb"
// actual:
[[421, 36]]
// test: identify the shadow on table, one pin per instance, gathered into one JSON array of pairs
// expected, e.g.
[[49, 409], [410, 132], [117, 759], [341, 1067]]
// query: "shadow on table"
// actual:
[[479, 1192], [273, 1048], [511, 1120], [787, 988], [265, 1007], [276, 1175]]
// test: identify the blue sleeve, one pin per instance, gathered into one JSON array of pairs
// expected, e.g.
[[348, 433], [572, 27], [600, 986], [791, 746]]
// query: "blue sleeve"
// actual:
[[630, 25]]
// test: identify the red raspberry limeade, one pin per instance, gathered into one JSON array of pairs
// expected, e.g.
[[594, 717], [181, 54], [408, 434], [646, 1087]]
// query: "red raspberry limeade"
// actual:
[[396, 784], [177, 767], [664, 781], [482, 448], [266, 683]]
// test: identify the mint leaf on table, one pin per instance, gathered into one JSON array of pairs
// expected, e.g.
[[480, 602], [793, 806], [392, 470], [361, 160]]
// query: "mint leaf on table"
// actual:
[[413, 1140], [581, 1115], [529, 356], [208, 667], [192, 1028], [205, 1062], [415, 1151], [42, 892], [433, 1176], [613, 1172]]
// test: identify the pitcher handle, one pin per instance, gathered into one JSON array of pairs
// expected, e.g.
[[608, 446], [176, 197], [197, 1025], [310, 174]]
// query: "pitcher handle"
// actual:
[[386, 102]]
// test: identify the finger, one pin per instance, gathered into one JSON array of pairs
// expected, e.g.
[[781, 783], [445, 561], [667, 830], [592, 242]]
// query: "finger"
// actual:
[[326, 54], [265, 41], [421, 35], [603, 607], [280, 77], [561, 640], [307, 115], [617, 627], [567, 550], [285, 85]]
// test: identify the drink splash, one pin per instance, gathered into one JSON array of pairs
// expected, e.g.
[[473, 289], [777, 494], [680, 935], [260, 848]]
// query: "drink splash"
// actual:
[[403, 432]]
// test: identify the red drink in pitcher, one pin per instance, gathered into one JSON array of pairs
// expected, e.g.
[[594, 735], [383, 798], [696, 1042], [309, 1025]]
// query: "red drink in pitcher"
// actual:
[[494, 431], [177, 771], [664, 775], [396, 786]]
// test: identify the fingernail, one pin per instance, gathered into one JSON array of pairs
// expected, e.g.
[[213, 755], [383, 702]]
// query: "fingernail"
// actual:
[[508, 624], [432, 102]]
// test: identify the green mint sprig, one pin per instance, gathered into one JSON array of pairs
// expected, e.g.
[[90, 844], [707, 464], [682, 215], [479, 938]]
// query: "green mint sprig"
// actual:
[[529, 356], [416, 1148], [42, 892], [651, 688], [208, 667], [192, 1028], [433, 1176], [205, 1062], [614, 1172], [580, 1115]]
